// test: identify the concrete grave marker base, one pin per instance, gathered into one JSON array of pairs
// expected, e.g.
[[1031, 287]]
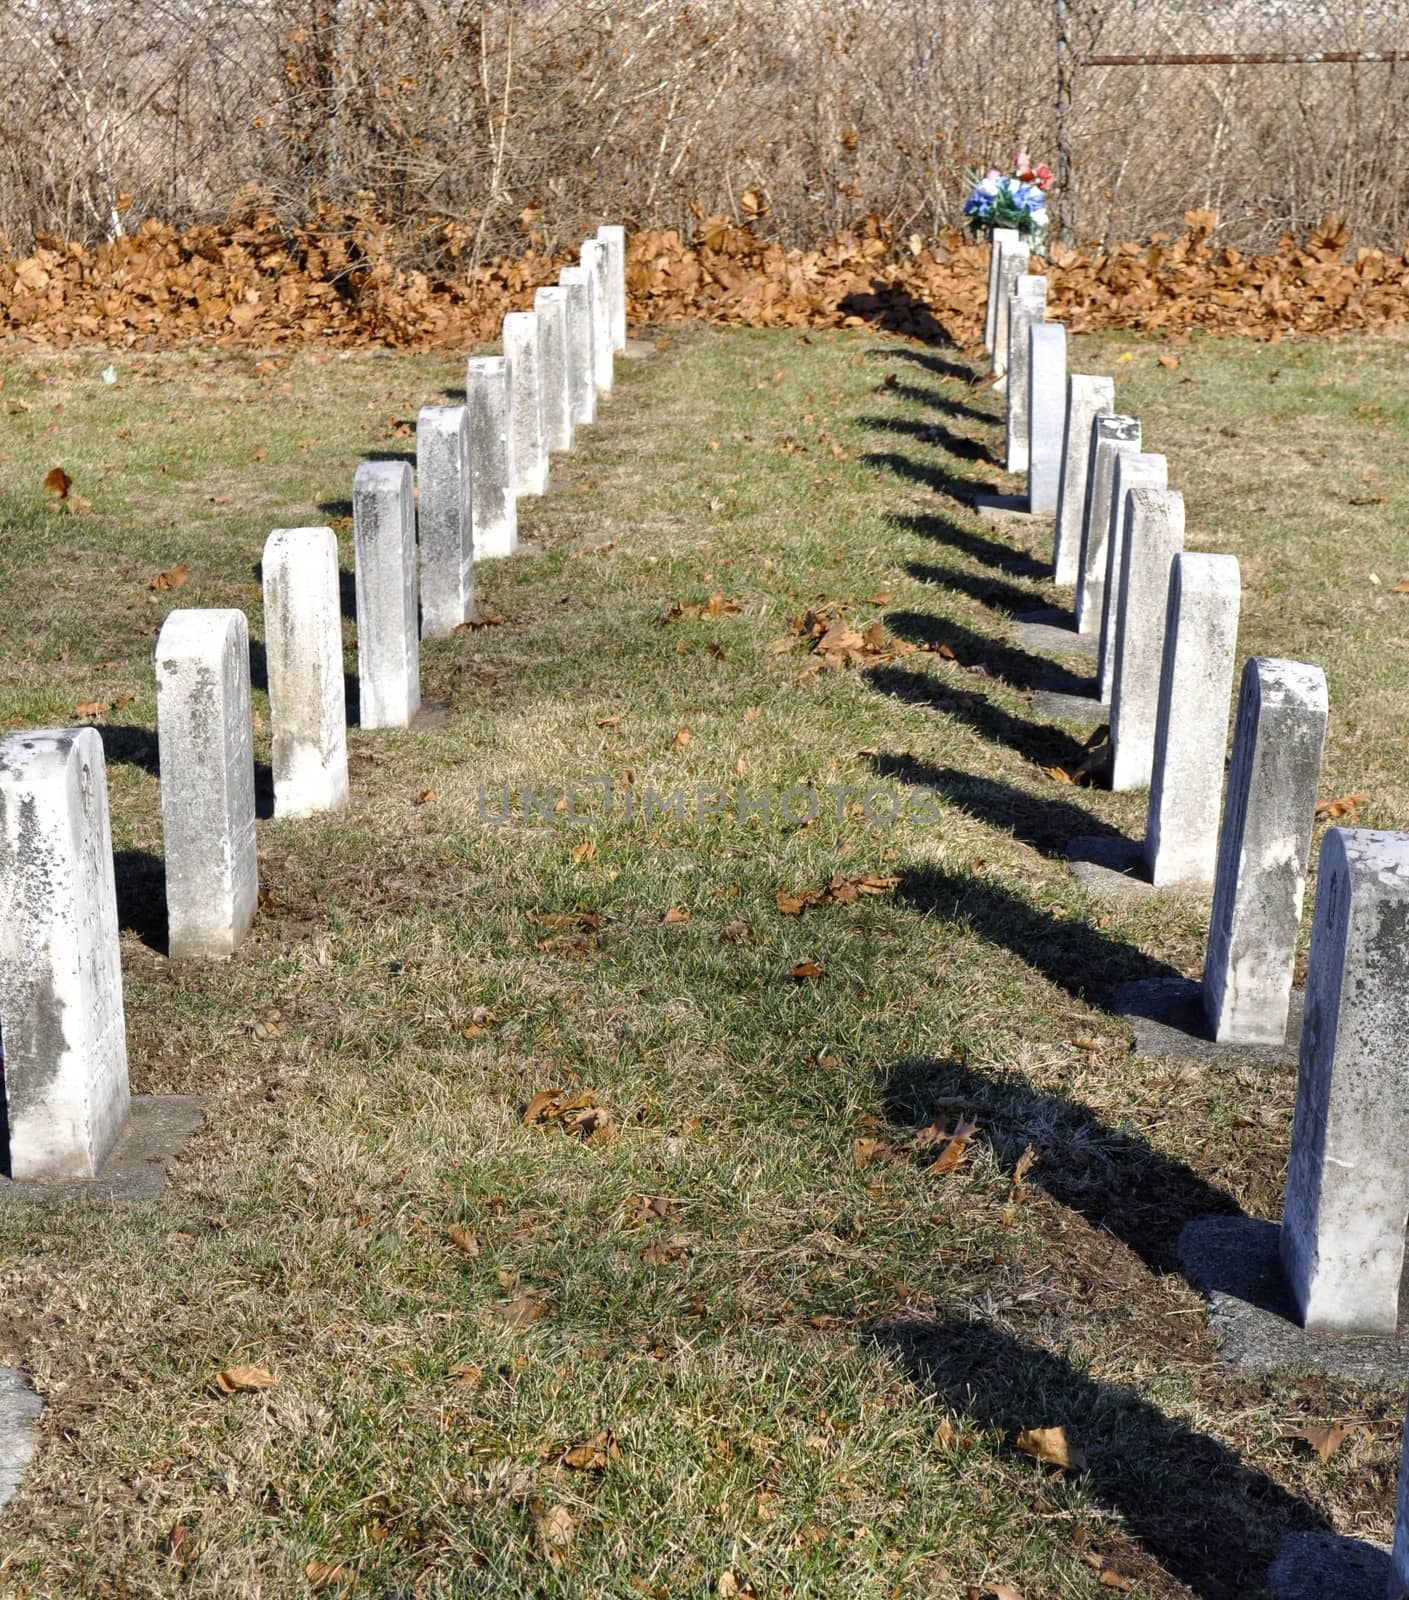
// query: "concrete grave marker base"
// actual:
[[1236, 1263], [1314, 1566], [20, 1410], [639, 349], [1069, 707], [1109, 865], [157, 1129], [1052, 633], [1167, 1017]]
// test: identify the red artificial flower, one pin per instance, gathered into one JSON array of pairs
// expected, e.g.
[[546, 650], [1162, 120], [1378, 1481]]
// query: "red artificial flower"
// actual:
[[1043, 174]]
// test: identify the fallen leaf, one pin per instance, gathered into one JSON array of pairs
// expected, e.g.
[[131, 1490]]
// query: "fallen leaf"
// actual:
[[173, 578], [866, 1152], [526, 1308], [593, 1454], [681, 739], [1344, 805], [1168, 361], [609, 722], [91, 708], [586, 851], [954, 1149], [1051, 1445], [241, 1380], [882, 599], [467, 1375], [425, 797], [463, 1240], [58, 482], [676, 914], [556, 1529], [327, 1575], [1084, 1042], [1326, 1441], [807, 969]]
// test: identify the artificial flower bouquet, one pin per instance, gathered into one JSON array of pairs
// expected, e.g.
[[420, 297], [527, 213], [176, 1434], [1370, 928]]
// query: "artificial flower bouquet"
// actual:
[[1016, 199]]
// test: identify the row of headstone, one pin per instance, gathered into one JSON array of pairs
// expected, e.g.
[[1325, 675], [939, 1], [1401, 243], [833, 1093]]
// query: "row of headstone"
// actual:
[[62, 1023], [1164, 622]]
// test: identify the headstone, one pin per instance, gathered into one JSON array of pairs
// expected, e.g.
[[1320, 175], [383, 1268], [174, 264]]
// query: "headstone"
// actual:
[[1110, 436], [1263, 850], [303, 645], [1046, 408], [1133, 470], [594, 259], [493, 504], [1191, 725], [1399, 1557], [1012, 265], [1342, 1237], [443, 520], [613, 235], [388, 644], [1027, 306], [998, 240], [552, 308], [581, 360], [523, 350], [1087, 398], [206, 742], [1154, 535], [61, 1016]]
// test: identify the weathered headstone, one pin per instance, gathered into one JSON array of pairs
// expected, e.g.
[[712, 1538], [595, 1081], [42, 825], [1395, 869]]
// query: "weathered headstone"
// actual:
[[61, 1014], [613, 235], [1399, 1556], [493, 504], [594, 258], [443, 520], [1111, 436], [388, 644], [523, 351], [1135, 470], [1027, 306], [1263, 850], [1012, 265], [1154, 535], [206, 743], [1191, 726], [303, 647], [552, 308], [1342, 1237], [1087, 398], [581, 359], [999, 238], [1046, 408]]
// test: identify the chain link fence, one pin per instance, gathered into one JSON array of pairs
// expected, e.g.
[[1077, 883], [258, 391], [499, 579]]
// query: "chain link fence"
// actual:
[[522, 121]]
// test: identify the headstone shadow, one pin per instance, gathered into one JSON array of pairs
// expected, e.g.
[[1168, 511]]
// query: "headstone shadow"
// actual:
[[937, 400], [945, 531], [1046, 824], [955, 444], [929, 476], [130, 746], [1040, 742], [892, 307], [140, 880], [931, 360], [997, 593], [1020, 669], [1078, 957], [1211, 1522]]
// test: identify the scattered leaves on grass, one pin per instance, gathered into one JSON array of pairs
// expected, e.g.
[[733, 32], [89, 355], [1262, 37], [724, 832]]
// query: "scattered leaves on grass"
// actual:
[[949, 1145], [1091, 766], [522, 1310], [1051, 1446], [676, 914], [425, 796], [1346, 805], [835, 644], [806, 969], [718, 605], [463, 1240], [840, 891], [609, 722], [466, 1375], [327, 1575], [58, 482], [586, 851], [576, 1113], [243, 1380], [556, 1528], [640, 1209], [592, 1455], [681, 739], [665, 1254], [175, 577]]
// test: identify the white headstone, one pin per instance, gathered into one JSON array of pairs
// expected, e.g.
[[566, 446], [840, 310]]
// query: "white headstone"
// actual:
[[61, 1014], [206, 742], [1191, 726], [1133, 470], [581, 357], [998, 239], [1110, 436], [594, 260], [1012, 265], [1263, 850], [493, 503], [443, 520], [303, 647], [552, 308], [613, 235], [1154, 535], [1087, 398], [523, 349], [1046, 410], [1027, 306], [1342, 1236], [388, 641]]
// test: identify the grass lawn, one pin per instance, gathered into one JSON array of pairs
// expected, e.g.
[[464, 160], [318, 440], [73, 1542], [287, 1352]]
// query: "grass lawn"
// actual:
[[812, 1344]]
